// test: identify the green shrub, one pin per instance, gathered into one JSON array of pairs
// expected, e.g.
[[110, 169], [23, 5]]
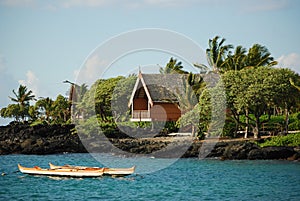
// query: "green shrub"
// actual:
[[288, 140], [294, 122], [89, 126], [38, 122], [294, 126]]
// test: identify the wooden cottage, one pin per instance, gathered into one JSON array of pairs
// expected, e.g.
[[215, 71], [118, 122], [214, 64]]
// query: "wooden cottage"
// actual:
[[155, 97]]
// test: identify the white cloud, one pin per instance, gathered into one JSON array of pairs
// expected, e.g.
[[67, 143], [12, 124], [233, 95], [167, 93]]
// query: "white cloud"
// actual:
[[91, 70], [32, 82], [291, 61]]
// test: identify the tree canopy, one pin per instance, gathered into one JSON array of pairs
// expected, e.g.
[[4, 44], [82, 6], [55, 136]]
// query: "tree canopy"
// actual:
[[258, 89], [254, 88]]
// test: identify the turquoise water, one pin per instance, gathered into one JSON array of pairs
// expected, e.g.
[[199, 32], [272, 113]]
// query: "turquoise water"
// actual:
[[186, 179]]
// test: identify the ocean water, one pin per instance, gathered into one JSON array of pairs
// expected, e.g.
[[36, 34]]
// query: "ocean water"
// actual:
[[185, 179]]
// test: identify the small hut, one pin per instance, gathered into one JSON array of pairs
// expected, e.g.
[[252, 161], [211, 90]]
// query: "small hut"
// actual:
[[155, 97]]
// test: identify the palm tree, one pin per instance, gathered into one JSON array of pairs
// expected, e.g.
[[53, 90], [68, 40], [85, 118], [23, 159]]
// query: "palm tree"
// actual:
[[80, 91], [197, 83], [188, 99], [237, 60], [172, 67], [79, 94], [215, 54], [22, 98], [259, 55], [46, 104], [61, 112]]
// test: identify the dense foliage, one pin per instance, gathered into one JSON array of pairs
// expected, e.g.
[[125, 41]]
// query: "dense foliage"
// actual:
[[260, 90], [43, 111], [289, 140], [251, 95]]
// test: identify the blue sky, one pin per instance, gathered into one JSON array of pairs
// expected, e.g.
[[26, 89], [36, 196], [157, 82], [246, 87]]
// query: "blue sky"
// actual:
[[45, 42]]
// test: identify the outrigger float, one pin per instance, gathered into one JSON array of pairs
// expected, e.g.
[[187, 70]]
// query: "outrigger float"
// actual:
[[77, 171]]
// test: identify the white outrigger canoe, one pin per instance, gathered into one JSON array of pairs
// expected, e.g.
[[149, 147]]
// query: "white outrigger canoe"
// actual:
[[65, 172], [106, 171]]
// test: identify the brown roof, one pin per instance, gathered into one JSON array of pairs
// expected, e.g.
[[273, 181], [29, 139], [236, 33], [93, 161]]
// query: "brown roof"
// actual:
[[166, 87]]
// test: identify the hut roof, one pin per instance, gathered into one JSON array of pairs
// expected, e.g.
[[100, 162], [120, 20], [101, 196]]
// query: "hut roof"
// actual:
[[165, 87]]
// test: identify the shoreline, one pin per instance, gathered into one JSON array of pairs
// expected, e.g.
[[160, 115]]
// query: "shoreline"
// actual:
[[56, 139]]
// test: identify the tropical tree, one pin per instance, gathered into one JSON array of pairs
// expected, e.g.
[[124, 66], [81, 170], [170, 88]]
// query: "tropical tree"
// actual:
[[188, 98], [33, 113], [23, 98], [286, 96], [255, 94], [87, 105], [259, 55], [207, 115], [46, 107], [172, 67], [121, 96], [233, 84], [60, 112], [235, 61], [76, 94], [255, 90], [80, 91], [215, 54], [197, 83], [97, 100], [11, 111], [294, 85]]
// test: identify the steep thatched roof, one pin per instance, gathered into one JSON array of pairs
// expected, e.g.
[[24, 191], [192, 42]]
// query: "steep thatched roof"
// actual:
[[165, 87]]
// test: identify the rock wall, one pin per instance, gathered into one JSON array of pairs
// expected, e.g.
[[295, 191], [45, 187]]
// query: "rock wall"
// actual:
[[225, 150], [40, 139], [50, 139]]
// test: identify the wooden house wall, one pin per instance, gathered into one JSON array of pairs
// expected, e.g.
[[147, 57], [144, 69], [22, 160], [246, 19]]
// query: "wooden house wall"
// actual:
[[140, 104], [165, 112]]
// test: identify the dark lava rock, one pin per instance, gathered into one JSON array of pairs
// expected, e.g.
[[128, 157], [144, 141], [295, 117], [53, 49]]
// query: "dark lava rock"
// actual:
[[239, 150], [50, 139], [272, 153], [40, 139]]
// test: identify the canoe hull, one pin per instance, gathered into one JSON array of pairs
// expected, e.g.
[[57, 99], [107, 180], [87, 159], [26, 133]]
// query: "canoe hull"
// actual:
[[61, 172]]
